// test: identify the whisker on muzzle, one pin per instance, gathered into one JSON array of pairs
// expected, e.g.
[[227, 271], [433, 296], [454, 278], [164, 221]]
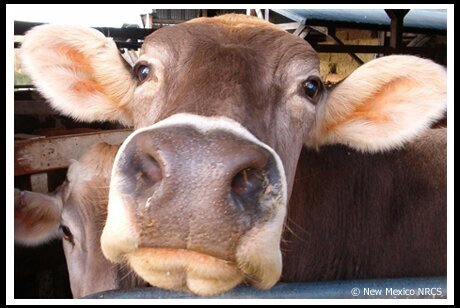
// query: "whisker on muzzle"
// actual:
[[294, 234]]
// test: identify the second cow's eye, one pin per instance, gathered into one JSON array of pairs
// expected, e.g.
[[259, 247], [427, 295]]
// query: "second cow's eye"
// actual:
[[142, 72], [68, 236]]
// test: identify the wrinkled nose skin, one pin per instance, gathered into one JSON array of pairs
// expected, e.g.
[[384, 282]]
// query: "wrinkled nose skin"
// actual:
[[194, 188]]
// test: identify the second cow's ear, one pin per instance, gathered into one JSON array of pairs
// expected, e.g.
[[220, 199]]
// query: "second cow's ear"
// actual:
[[37, 217], [382, 104], [80, 72]]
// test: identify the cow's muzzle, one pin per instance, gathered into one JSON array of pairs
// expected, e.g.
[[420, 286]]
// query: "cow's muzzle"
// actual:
[[193, 201]]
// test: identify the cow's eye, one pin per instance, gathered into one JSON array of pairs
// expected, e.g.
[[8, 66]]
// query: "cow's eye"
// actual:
[[67, 235], [312, 88], [142, 72]]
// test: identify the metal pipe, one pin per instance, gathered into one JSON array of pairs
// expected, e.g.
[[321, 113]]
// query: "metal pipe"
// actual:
[[431, 287]]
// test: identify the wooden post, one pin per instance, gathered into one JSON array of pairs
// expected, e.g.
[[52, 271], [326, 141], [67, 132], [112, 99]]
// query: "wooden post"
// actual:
[[396, 28], [352, 55], [331, 32], [259, 14], [147, 21], [288, 25], [250, 12], [43, 154], [382, 42], [299, 29], [419, 40], [39, 182]]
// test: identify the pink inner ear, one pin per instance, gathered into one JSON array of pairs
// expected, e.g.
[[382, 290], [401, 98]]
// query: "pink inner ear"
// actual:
[[87, 86], [77, 58], [374, 109], [31, 219], [78, 62]]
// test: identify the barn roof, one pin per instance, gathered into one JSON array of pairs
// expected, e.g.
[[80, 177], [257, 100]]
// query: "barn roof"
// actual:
[[416, 20]]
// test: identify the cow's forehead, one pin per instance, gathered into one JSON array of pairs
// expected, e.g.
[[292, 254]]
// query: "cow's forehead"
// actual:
[[267, 40]]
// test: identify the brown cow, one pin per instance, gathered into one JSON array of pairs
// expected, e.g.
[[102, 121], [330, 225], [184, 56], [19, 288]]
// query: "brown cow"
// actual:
[[76, 211], [222, 107]]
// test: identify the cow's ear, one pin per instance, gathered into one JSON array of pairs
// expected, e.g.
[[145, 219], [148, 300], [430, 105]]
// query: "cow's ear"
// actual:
[[382, 104], [80, 72], [37, 217]]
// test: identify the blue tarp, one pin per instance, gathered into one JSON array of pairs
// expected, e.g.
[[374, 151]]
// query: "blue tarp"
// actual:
[[416, 18]]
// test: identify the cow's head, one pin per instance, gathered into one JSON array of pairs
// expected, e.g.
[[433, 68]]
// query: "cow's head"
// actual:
[[221, 107], [76, 212]]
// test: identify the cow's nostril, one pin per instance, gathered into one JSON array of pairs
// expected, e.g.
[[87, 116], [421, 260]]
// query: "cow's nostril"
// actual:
[[248, 182], [150, 169]]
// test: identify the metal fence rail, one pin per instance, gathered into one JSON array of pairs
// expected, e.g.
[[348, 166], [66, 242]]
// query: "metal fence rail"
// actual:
[[431, 287]]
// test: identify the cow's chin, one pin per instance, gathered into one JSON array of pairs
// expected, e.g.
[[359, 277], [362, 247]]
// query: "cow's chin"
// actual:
[[184, 270]]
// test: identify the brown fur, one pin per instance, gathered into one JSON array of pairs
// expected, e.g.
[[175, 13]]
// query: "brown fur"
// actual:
[[355, 215]]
